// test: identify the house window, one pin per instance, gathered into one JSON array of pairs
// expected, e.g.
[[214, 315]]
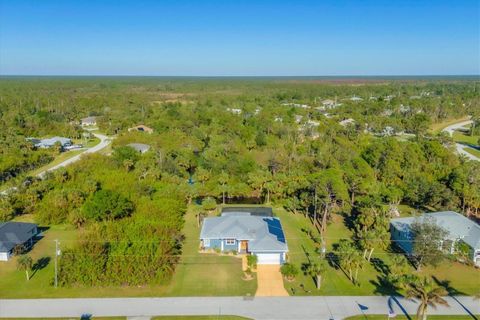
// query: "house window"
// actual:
[[206, 242], [230, 241]]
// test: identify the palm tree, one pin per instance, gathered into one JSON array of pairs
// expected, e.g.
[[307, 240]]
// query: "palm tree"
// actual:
[[428, 294], [25, 263], [315, 270]]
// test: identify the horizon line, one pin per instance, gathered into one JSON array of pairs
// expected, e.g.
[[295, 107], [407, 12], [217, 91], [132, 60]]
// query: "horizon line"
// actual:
[[241, 76]]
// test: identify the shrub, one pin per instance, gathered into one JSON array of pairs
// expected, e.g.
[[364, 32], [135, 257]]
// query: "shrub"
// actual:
[[289, 271], [252, 261], [106, 205], [209, 204]]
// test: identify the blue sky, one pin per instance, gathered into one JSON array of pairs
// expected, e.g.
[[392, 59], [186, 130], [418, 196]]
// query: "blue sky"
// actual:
[[337, 37]]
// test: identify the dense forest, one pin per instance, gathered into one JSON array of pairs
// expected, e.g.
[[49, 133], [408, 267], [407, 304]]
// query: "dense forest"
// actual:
[[228, 141]]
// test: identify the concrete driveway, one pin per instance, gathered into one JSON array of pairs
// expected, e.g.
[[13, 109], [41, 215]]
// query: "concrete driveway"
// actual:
[[270, 281]]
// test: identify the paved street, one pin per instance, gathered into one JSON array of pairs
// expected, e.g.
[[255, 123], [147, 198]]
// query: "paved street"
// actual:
[[104, 141], [460, 147], [257, 308]]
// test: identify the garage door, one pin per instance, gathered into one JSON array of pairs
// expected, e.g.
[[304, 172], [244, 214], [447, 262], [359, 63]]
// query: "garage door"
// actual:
[[268, 258]]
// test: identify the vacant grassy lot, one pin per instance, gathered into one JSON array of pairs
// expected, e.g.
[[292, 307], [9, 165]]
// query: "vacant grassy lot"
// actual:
[[196, 275], [460, 278]]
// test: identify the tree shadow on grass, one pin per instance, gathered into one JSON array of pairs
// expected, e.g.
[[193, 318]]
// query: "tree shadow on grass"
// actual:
[[380, 266], [446, 284], [453, 292], [383, 284], [385, 287], [40, 264]]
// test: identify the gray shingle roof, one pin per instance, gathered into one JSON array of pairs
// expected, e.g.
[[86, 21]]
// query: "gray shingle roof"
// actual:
[[51, 142], [89, 120], [140, 147], [13, 233], [263, 233], [457, 225]]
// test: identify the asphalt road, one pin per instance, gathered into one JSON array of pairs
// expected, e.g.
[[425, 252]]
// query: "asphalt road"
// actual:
[[104, 141], [460, 147], [263, 308]]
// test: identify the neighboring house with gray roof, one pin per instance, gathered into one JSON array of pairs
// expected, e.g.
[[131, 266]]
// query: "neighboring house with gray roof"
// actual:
[[88, 121], [246, 233], [13, 234], [140, 147], [50, 142], [457, 226]]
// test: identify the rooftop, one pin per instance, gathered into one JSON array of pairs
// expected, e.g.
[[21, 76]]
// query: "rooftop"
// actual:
[[264, 233], [140, 147], [457, 225], [14, 233]]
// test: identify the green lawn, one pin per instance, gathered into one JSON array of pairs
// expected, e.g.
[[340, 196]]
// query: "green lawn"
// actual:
[[196, 275], [464, 279], [465, 139], [201, 274], [401, 317], [475, 152]]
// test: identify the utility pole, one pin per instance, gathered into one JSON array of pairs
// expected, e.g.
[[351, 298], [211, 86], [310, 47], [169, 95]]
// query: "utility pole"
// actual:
[[56, 263]]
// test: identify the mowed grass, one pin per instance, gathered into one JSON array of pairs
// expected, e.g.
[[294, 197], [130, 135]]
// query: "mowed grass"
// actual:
[[460, 137], [196, 275], [472, 151], [207, 274], [334, 281], [460, 278]]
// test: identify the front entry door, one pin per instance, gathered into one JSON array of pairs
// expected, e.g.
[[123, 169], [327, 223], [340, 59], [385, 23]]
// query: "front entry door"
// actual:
[[244, 246]]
